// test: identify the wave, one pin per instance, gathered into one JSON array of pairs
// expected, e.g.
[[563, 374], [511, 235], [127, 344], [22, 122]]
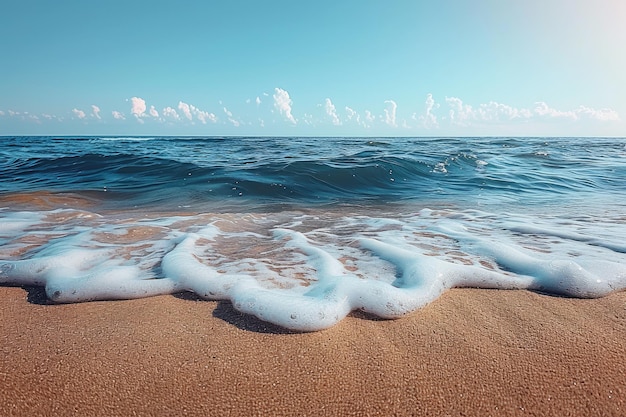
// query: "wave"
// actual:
[[274, 170], [363, 175]]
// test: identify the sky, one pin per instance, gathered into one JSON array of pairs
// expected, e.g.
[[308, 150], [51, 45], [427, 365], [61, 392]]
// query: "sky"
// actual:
[[313, 68]]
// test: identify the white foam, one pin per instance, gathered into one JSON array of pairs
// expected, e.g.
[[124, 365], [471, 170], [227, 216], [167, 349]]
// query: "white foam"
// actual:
[[16, 222], [307, 272]]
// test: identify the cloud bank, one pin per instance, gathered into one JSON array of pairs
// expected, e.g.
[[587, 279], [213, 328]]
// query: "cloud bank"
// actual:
[[420, 117]]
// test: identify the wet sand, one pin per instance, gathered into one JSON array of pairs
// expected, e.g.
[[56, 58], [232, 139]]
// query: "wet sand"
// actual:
[[470, 353]]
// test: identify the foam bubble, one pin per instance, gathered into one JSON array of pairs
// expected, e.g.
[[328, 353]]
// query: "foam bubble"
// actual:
[[308, 271]]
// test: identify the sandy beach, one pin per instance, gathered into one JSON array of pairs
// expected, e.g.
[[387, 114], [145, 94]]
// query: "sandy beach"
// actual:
[[470, 353]]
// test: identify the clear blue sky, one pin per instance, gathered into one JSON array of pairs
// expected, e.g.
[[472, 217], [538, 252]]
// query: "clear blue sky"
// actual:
[[315, 68]]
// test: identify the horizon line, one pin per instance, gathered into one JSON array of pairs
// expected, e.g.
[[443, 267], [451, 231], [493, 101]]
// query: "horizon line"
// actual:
[[316, 136]]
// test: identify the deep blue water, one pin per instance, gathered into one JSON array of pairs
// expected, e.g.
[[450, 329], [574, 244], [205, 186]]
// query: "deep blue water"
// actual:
[[253, 172]]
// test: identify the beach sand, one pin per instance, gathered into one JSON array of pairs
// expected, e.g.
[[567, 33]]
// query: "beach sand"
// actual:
[[469, 353]]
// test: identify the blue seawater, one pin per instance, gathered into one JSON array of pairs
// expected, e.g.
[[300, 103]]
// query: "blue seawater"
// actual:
[[301, 231]]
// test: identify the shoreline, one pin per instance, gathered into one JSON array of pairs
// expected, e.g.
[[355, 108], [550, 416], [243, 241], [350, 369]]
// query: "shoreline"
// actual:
[[470, 352]]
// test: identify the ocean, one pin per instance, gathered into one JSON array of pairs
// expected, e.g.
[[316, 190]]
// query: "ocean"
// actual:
[[300, 232]]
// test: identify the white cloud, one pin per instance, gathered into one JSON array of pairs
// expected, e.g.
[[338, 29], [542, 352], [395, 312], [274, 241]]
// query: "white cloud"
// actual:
[[153, 112], [308, 119], [48, 116], [428, 119], [601, 114], [170, 113], [190, 111], [31, 117], [229, 115], [542, 109], [118, 115], [494, 112], [369, 119], [138, 108], [430, 103], [460, 114], [582, 112], [463, 114], [332, 112], [25, 116], [352, 115], [283, 102], [205, 116], [185, 108], [79, 113], [1, 113], [257, 100], [95, 111], [390, 113]]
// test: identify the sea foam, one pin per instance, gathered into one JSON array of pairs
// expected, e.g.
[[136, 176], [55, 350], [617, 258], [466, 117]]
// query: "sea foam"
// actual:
[[307, 270]]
